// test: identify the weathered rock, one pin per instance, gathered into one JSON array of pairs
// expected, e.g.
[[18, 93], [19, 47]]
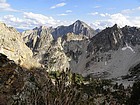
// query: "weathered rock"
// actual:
[[38, 38], [72, 36], [108, 39], [109, 54], [55, 58], [12, 45], [75, 48], [131, 35], [112, 52]]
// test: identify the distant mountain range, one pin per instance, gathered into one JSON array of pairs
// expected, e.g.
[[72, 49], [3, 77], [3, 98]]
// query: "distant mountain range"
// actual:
[[110, 53]]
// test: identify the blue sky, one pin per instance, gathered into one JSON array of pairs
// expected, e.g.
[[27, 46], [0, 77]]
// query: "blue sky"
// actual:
[[26, 14]]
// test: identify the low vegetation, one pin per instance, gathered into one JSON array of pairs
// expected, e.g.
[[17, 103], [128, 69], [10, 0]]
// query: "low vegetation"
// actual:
[[73, 89], [38, 87]]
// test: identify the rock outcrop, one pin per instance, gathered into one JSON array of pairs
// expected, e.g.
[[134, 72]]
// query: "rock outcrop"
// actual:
[[38, 38], [46, 51], [55, 58], [131, 35], [13, 46], [108, 39]]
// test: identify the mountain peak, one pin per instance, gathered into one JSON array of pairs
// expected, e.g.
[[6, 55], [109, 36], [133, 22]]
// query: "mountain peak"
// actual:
[[43, 27], [2, 24], [108, 39], [78, 21], [116, 27], [77, 28], [40, 28], [81, 23]]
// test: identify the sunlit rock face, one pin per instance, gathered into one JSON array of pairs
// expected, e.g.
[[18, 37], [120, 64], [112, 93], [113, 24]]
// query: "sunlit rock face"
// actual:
[[13, 46], [38, 38]]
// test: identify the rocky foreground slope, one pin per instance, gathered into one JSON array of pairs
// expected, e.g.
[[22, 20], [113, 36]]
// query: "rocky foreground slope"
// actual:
[[20, 86]]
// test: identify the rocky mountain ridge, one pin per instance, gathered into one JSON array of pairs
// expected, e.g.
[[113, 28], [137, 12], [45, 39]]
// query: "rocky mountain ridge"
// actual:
[[45, 40], [77, 28], [108, 54], [118, 54]]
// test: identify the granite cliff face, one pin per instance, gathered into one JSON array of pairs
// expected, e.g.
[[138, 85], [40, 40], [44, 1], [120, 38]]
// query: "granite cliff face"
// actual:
[[55, 58], [12, 45], [38, 38], [131, 35], [46, 51]]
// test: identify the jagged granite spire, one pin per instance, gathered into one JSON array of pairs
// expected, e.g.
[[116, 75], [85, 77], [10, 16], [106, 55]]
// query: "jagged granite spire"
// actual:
[[108, 39], [38, 38]]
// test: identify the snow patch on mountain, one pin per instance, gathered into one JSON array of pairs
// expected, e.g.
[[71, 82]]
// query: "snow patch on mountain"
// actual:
[[128, 47]]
